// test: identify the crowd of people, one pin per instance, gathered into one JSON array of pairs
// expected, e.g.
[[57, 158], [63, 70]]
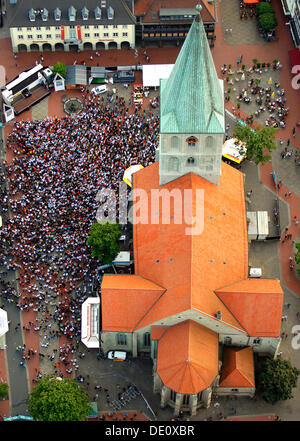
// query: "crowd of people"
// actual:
[[58, 168]]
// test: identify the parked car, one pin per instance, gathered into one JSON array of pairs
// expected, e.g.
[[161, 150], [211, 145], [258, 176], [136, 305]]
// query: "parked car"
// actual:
[[124, 76], [116, 355], [99, 89]]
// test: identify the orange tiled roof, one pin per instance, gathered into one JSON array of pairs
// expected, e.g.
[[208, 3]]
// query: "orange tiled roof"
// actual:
[[257, 304], [146, 7], [187, 357], [157, 332], [125, 299], [192, 267], [237, 368]]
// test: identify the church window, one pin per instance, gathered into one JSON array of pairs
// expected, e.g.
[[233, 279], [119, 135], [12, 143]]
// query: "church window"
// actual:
[[191, 161], [173, 164], [185, 400], [121, 339], [210, 144], [227, 340], [147, 339], [175, 142], [173, 396]]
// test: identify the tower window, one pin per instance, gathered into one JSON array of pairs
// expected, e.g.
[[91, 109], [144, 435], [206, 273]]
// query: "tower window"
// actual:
[[210, 144], [191, 161], [174, 142], [173, 164]]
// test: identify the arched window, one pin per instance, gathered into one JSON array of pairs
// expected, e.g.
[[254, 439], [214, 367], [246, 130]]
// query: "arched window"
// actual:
[[210, 144], [175, 142], [173, 164], [191, 161], [147, 339], [173, 395]]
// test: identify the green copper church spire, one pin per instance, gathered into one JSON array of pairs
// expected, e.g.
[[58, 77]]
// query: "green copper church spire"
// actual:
[[192, 98]]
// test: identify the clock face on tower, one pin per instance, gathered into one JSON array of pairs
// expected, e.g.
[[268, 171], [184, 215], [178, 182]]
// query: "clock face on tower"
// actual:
[[191, 140]]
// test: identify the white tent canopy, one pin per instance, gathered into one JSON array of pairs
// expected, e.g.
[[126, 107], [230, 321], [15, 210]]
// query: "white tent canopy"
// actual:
[[3, 322], [152, 73], [90, 311]]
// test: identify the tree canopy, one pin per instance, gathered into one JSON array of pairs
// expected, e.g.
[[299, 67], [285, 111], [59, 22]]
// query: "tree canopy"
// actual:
[[55, 399], [60, 68], [3, 390], [103, 240], [264, 7], [267, 21], [276, 380], [258, 142]]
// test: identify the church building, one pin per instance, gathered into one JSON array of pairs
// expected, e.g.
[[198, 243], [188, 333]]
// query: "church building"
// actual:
[[190, 304]]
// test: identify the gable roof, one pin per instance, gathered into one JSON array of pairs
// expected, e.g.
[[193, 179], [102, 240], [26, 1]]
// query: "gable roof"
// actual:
[[191, 267], [187, 357], [237, 367], [192, 98], [257, 304], [125, 299], [157, 332]]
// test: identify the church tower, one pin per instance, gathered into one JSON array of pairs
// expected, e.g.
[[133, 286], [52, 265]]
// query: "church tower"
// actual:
[[192, 120]]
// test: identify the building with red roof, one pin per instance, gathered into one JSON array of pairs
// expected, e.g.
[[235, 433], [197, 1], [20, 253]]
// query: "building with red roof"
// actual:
[[190, 303]]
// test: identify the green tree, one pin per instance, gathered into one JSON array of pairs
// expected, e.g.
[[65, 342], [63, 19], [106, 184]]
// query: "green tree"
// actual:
[[60, 68], [264, 8], [268, 21], [103, 240], [55, 399], [258, 142], [276, 380], [297, 256], [3, 390]]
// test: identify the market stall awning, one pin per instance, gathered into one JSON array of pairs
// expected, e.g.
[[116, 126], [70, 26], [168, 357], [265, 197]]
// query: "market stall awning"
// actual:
[[129, 172], [294, 55], [153, 73], [251, 1], [90, 311], [234, 150], [3, 322]]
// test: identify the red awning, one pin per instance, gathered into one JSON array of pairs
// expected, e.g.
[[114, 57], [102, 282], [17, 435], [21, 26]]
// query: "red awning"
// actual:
[[251, 1], [294, 55]]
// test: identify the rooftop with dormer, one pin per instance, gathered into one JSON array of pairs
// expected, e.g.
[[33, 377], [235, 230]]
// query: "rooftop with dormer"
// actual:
[[33, 13]]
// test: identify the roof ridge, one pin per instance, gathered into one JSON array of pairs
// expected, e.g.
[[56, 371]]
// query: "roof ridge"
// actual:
[[149, 309]]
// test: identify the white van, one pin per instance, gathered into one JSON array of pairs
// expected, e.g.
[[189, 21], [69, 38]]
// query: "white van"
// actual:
[[116, 355], [99, 89]]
